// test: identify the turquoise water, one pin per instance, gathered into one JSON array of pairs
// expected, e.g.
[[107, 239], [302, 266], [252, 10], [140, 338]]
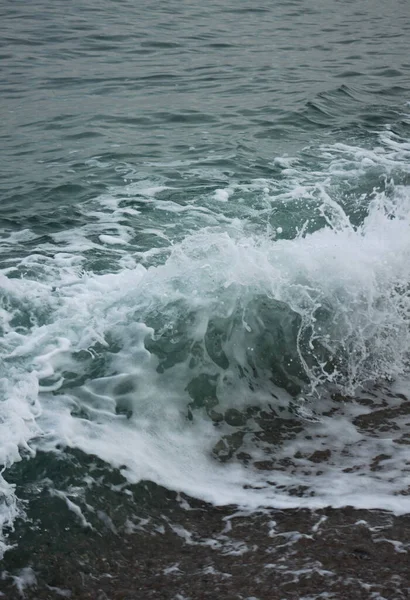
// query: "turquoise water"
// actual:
[[205, 214]]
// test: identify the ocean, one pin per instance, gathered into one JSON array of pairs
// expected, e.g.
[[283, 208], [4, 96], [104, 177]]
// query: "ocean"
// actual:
[[204, 299]]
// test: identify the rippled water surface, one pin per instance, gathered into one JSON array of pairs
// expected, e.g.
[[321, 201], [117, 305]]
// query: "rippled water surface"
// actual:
[[205, 254]]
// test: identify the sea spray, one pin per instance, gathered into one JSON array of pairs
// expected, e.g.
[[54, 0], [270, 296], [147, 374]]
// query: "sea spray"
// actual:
[[140, 357]]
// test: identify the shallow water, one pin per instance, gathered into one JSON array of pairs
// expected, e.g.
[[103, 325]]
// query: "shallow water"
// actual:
[[205, 253]]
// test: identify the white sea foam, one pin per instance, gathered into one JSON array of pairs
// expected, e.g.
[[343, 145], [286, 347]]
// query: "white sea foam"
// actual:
[[224, 307]]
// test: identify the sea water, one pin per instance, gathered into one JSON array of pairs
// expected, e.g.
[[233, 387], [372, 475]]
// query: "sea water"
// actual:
[[205, 250]]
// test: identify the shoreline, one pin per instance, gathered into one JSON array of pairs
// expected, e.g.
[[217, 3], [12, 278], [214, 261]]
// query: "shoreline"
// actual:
[[194, 551]]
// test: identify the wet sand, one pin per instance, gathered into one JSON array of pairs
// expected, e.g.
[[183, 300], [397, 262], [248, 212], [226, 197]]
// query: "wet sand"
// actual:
[[191, 550]]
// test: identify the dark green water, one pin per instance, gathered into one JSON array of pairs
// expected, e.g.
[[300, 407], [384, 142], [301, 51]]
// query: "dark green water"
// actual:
[[204, 221]]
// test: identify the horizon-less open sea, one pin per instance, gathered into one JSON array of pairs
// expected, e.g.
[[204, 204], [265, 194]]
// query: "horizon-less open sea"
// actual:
[[205, 253]]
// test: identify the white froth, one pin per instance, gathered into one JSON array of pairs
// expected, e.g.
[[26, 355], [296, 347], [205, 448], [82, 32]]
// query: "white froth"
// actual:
[[222, 195], [26, 578]]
